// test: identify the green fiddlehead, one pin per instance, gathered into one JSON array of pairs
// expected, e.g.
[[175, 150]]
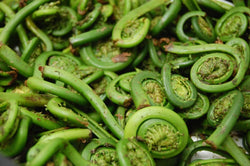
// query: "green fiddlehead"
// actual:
[[223, 105], [130, 152], [237, 48], [46, 15], [179, 90], [234, 103], [147, 90], [18, 142], [101, 152], [116, 93], [180, 25], [162, 130], [130, 30], [107, 56], [233, 23], [197, 110], [9, 121], [201, 25], [90, 18]]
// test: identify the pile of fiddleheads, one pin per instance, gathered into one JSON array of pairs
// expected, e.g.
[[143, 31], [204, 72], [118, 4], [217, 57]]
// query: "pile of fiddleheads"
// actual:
[[125, 82]]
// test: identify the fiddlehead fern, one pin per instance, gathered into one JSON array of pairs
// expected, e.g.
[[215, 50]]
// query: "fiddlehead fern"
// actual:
[[179, 90], [131, 30], [90, 18], [233, 23], [162, 130], [116, 93], [237, 48], [201, 25], [130, 152], [147, 90], [180, 25], [46, 15], [9, 121], [106, 55], [197, 110], [225, 124], [101, 152], [17, 143], [222, 105]]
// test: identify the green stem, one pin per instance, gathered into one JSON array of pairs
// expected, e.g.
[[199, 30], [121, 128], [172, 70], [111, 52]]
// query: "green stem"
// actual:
[[91, 35], [170, 14], [232, 148], [41, 152], [39, 33], [11, 58], [31, 46], [78, 118], [20, 29], [26, 99], [18, 18], [229, 120], [45, 86], [42, 120], [87, 92], [67, 134]]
